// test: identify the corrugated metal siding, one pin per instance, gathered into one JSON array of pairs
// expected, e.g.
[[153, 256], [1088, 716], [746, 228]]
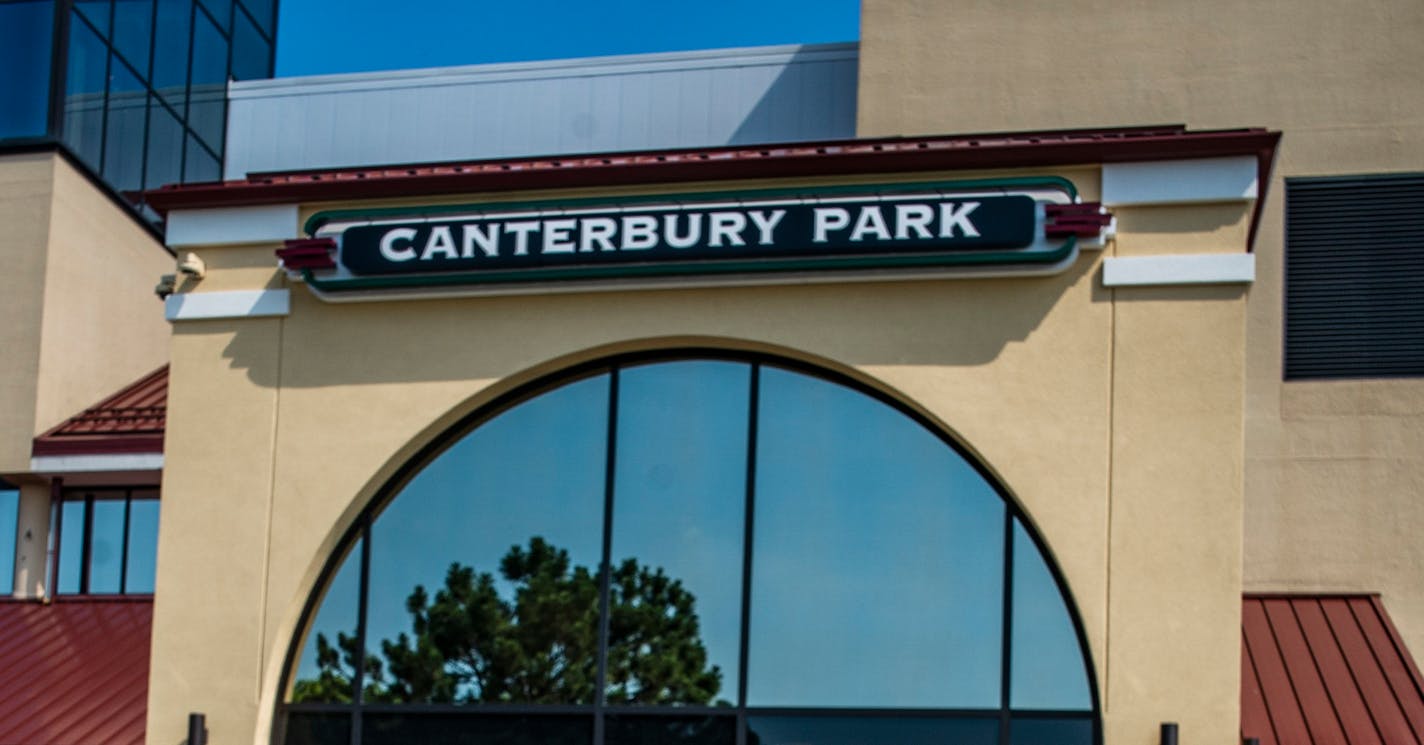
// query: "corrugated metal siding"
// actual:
[[1327, 670], [609, 104], [1355, 276], [75, 672]]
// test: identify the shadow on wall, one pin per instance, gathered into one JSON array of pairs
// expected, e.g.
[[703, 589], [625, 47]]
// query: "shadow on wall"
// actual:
[[954, 322], [813, 101]]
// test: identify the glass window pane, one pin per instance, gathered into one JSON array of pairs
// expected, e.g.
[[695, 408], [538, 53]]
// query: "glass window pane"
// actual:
[[143, 546], [165, 147], [26, 32], [124, 129], [251, 54], [9, 522], [170, 51], [71, 547], [679, 500], [199, 163], [1047, 671], [327, 668], [1036, 731], [317, 728], [262, 11], [871, 731], [84, 93], [106, 546], [621, 729], [466, 729], [221, 11], [96, 12], [207, 105], [133, 31], [502, 551], [877, 574]]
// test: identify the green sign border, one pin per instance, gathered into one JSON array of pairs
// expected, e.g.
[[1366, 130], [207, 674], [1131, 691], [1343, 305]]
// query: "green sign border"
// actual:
[[746, 266]]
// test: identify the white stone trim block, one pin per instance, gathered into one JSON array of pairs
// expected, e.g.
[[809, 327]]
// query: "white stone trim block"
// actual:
[[232, 304], [1181, 269], [1180, 181], [230, 225], [96, 463]]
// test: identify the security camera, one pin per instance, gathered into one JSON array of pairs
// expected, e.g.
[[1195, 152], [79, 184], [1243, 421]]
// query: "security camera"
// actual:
[[192, 266], [167, 283]]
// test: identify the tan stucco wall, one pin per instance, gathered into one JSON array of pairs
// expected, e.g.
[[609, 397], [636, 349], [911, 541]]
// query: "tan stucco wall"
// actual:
[[1076, 396], [81, 320], [1333, 470], [26, 186], [103, 325]]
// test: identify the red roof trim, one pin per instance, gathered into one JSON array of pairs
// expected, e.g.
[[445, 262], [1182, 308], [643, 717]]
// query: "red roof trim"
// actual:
[[832, 158], [130, 421]]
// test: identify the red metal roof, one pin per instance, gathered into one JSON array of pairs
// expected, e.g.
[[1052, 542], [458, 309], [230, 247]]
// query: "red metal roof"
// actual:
[[1327, 669], [130, 421], [838, 157], [75, 671]]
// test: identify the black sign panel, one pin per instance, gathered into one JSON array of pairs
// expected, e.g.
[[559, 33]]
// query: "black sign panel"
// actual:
[[694, 233]]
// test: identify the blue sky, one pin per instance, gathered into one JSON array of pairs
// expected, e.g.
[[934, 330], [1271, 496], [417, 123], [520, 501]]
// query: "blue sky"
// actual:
[[330, 36]]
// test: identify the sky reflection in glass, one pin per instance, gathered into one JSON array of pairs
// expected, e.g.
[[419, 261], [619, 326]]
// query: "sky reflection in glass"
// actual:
[[877, 576], [1047, 669], [534, 470], [877, 564], [680, 489]]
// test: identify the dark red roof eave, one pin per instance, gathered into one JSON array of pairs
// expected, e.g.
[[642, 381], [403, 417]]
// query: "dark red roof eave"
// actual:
[[796, 160], [128, 422]]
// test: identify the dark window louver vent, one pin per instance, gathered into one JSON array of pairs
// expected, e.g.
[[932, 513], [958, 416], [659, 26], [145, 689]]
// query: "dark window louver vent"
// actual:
[[1354, 277]]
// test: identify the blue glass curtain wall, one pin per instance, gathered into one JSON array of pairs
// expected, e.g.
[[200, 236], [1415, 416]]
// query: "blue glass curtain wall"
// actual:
[[135, 89], [706, 549]]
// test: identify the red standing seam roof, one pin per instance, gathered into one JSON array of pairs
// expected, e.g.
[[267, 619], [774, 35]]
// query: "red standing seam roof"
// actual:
[[1327, 670], [130, 421], [75, 671]]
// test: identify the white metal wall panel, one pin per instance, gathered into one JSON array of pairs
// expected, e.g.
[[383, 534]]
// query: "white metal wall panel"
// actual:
[[606, 104]]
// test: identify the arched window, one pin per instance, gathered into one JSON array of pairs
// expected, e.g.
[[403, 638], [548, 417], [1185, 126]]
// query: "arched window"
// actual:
[[719, 551]]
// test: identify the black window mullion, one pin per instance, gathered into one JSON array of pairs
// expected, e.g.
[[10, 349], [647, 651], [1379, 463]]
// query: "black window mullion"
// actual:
[[86, 544], [1006, 626], [605, 567], [753, 423], [56, 505], [124, 550], [358, 677]]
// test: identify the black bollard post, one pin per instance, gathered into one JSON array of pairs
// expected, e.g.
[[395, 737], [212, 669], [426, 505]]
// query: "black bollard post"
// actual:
[[197, 729], [1169, 733]]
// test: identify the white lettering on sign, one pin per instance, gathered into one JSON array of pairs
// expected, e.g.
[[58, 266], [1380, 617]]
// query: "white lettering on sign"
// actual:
[[388, 245], [698, 231]]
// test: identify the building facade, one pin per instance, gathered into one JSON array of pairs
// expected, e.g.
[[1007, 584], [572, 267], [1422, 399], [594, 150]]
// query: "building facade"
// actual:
[[1059, 434]]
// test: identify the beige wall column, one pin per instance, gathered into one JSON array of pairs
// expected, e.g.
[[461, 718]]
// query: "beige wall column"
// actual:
[[1175, 586], [32, 541], [209, 601]]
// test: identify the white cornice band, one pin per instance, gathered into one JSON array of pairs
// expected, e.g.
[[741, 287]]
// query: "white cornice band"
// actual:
[[231, 226], [109, 463], [198, 306], [1180, 269], [1180, 181]]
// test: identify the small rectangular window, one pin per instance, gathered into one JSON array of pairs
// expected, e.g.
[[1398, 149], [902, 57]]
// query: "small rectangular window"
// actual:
[[1354, 269], [9, 524], [108, 540]]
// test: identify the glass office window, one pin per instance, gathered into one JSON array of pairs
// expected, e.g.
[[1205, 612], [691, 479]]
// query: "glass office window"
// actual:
[[251, 51], [108, 542], [133, 33], [264, 12], [199, 163], [207, 106], [693, 551], [96, 12], [26, 33], [171, 42], [165, 146], [84, 91], [9, 523], [125, 128]]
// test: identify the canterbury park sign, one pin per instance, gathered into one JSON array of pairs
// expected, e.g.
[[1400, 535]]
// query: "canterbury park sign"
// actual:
[[928, 229]]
